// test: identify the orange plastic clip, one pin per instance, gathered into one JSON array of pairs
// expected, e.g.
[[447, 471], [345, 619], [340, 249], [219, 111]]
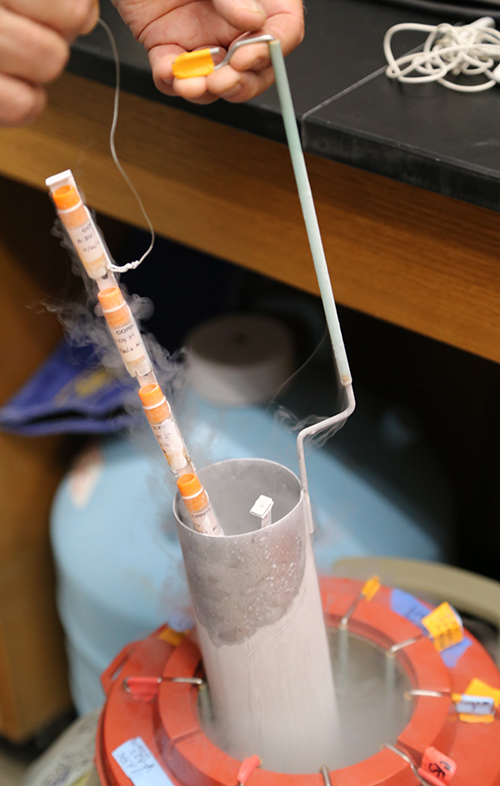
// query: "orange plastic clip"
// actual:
[[437, 768], [142, 688], [444, 626], [371, 588], [198, 63], [247, 767]]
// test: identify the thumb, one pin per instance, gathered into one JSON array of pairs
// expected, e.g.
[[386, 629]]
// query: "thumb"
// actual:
[[92, 19], [242, 14]]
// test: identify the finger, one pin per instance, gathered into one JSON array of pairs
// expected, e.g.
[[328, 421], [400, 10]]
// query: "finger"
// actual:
[[225, 81], [194, 89], [288, 28], [161, 59], [253, 57], [19, 102], [252, 83], [29, 50], [243, 14], [67, 17]]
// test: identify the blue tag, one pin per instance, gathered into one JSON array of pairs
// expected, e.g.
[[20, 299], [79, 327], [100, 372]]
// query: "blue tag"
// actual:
[[452, 655], [409, 606]]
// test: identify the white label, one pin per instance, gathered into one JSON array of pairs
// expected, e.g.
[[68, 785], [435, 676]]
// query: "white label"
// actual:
[[170, 441], [476, 705], [205, 521], [128, 340], [87, 242], [139, 764]]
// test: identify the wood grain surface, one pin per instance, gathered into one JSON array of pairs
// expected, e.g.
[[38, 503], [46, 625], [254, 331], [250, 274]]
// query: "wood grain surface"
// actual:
[[425, 262]]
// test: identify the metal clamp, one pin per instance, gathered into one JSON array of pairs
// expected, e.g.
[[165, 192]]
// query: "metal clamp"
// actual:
[[408, 761], [259, 39], [325, 775], [438, 694], [402, 644]]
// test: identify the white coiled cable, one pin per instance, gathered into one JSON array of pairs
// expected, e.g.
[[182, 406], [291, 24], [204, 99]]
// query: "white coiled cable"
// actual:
[[471, 50]]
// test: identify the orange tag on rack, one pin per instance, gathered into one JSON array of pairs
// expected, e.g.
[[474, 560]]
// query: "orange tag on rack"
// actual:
[[247, 767], [172, 637], [371, 588], [479, 688], [444, 626], [197, 63], [436, 767]]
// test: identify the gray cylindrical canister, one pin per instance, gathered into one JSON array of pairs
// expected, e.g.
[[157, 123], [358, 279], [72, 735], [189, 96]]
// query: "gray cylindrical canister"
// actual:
[[260, 623]]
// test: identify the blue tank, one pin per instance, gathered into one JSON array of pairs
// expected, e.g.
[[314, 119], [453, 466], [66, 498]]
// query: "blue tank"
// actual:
[[375, 490]]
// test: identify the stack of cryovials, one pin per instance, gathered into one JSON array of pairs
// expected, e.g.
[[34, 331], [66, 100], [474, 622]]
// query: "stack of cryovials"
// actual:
[[94, 256]]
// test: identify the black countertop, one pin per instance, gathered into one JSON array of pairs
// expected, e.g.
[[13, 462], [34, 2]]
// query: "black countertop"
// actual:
[[346, 107]]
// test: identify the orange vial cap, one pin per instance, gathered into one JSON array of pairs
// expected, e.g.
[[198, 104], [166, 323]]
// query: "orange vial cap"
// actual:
[[111, 298], [189, 485], [151, 395], [66, 197], [155, 404]]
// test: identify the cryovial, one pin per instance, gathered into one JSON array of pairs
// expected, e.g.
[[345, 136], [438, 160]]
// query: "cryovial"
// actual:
[[82, 231], [164, 427], [198, 505], [125, 331]]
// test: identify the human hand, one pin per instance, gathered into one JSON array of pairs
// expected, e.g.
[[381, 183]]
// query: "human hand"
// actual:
[[168, 28], [34, 49]]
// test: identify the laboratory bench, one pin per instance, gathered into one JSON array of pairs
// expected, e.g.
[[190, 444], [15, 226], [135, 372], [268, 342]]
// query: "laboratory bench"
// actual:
[[406, 180]]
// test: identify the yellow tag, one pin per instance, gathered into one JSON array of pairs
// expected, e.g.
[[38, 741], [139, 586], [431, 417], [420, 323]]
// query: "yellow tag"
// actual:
[[479, 688], [476, 718], [172, 637], [371, 588], [444, 626], [198, 63]]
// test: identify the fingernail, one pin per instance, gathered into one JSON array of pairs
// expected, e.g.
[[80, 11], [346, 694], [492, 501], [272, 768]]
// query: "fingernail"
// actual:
[[251, 5]]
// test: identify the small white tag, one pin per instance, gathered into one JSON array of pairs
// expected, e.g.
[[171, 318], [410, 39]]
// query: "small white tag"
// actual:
[[139, 764], [262, 509]]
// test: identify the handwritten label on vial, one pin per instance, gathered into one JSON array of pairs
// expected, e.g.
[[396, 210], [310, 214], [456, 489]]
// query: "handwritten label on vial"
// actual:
[[444, 626], [139, 764], [128, 340], [371, 588], [87, 242], [205, 521], [170, 441], [437, 768]]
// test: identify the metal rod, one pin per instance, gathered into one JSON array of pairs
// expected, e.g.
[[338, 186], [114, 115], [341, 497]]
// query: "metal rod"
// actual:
[[326, 775], [318, 254], [309, 211], [408, 761], [402, 644]]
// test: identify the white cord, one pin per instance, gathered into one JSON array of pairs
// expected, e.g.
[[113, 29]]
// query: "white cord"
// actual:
[[469, 49], [129, 265]]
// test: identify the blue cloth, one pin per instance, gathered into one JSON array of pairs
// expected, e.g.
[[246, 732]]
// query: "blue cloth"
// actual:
[[71, 393]]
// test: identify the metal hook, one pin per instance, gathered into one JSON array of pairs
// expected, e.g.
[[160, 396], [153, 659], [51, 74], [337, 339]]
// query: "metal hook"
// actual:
[[259, 39]]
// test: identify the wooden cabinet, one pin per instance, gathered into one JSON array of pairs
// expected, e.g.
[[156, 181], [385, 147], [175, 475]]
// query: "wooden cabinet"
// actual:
[[33, 672]]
